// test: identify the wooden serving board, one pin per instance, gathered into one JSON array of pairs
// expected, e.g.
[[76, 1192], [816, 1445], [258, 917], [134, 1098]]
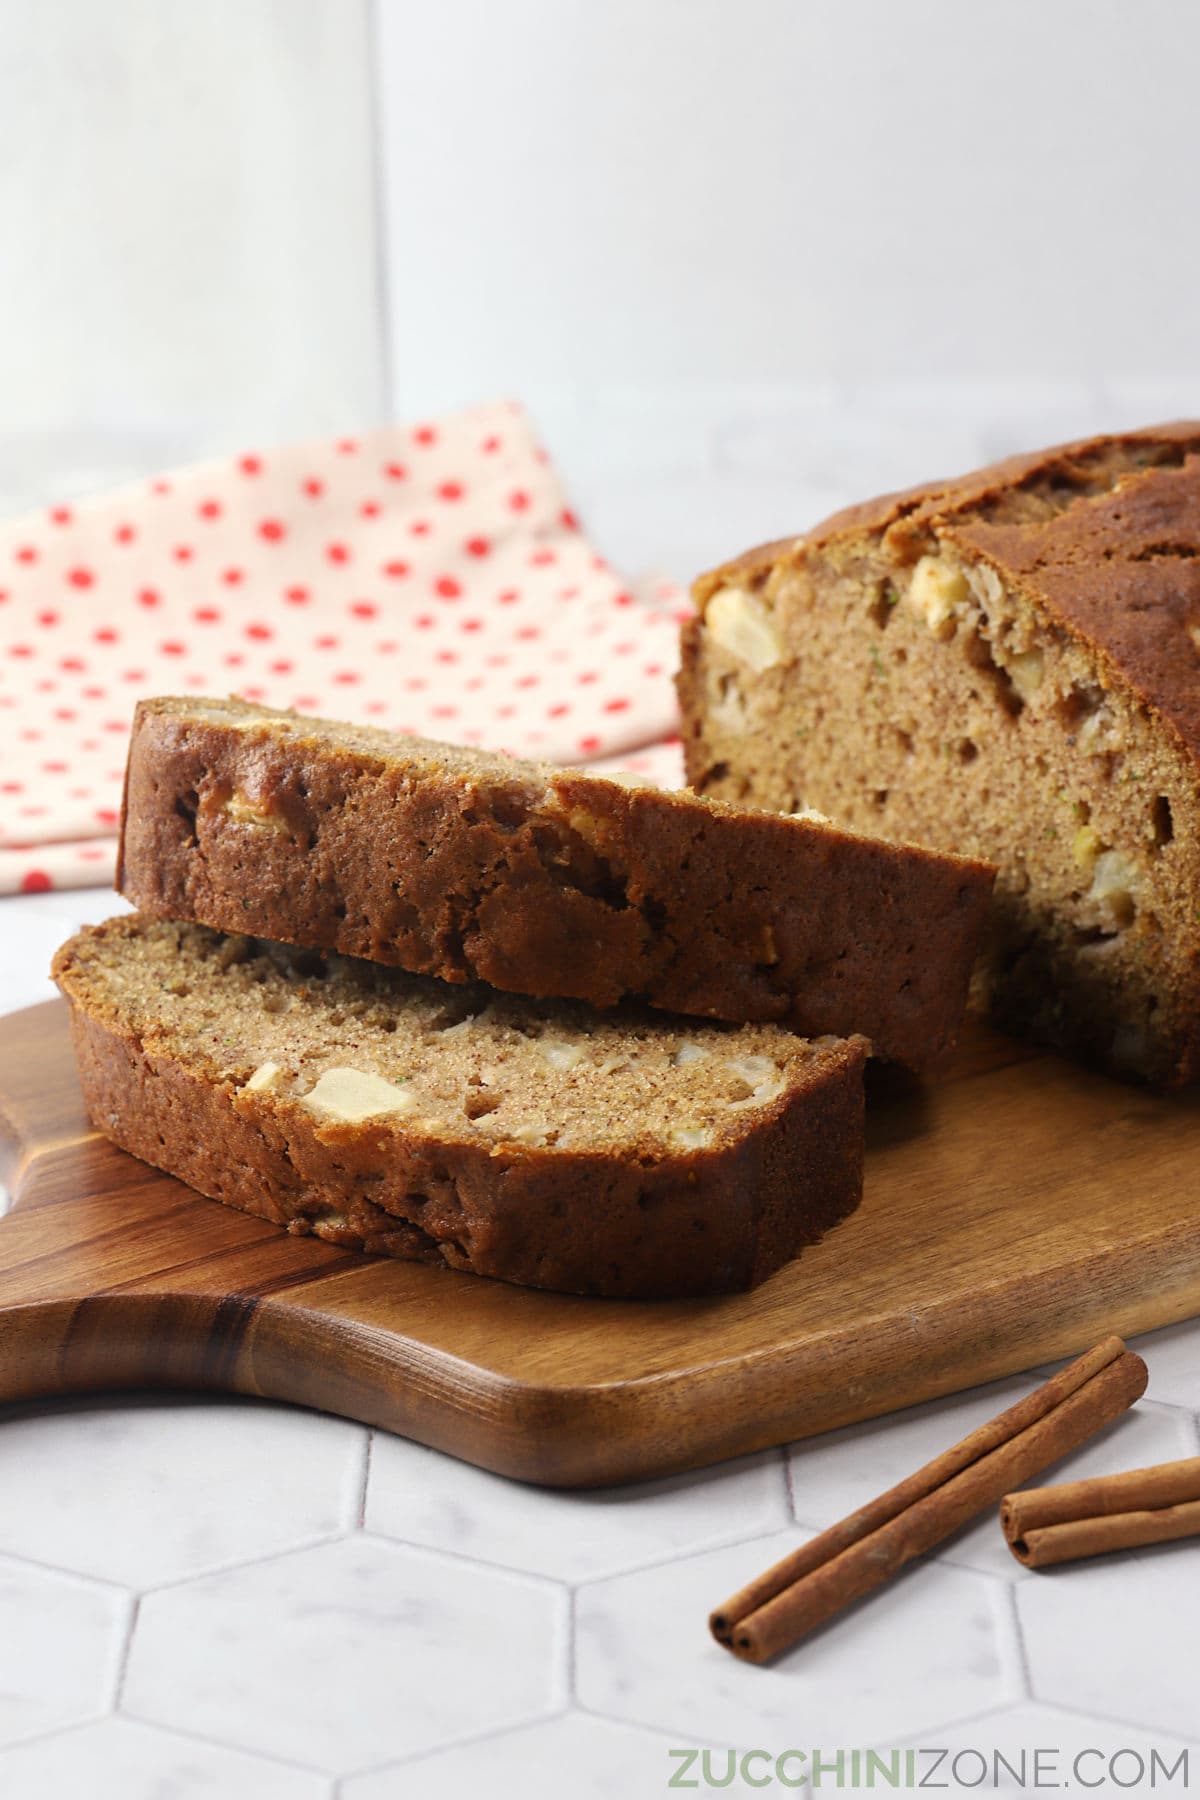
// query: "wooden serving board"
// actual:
[[1015, 1212]]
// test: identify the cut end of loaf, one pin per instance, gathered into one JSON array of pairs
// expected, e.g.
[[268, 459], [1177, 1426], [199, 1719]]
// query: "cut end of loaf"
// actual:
[[1005, 666]]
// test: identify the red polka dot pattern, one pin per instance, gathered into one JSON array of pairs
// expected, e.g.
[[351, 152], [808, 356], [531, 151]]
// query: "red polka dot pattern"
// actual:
[[427, 578]]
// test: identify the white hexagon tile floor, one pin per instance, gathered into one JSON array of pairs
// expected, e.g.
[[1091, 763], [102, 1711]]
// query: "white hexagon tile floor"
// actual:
[[244, 1603], [349, 1654], [424, 1498], [156, 1490], [120, 1759], [938, 1644], [60, 1649]]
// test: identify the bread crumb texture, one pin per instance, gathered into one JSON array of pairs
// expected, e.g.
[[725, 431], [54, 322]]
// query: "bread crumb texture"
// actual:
[[350, 1041], [623, 1152], [1006, 666]]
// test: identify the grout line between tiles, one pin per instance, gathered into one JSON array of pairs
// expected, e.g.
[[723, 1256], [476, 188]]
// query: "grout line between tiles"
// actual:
[[44, 1733], [789, 1485], [909, 1739], [484, 1736], [1083, 1712], [226, 1743], [816, 1530], [598, 1712], [126, 1651], [65, 1574], [1150, 1404], [1009, 1603], [439, 1553], [245, 1562], [592, 1579], [571, 1645], [364, 1480]]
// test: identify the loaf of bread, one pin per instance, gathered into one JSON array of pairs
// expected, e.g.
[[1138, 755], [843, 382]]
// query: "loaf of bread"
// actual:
[[625, 1153], [551, 882], [1006, 665]]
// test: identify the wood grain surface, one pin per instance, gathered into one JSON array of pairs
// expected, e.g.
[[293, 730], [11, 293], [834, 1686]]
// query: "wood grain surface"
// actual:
[[1015, 1212]]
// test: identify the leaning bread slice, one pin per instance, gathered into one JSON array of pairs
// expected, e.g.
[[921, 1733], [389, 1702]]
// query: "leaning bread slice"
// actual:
[[1006, 665], [626, 1153], [543, 881]]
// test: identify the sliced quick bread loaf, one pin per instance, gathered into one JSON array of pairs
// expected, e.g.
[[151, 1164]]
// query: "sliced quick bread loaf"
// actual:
[[625, 1153], [543, 881], [1007, 665]]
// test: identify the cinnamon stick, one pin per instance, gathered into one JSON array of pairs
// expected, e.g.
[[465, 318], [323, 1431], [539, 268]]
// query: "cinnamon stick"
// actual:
[[861, 1552], [1112, 1512]]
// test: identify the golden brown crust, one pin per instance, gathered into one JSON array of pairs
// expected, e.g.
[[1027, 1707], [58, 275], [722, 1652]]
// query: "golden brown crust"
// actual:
[[1103, 532], [1122, 573], [545, 882], [609, 1223]]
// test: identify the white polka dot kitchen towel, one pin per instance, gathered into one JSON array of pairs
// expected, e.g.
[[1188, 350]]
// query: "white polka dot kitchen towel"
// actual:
[[427, 578]]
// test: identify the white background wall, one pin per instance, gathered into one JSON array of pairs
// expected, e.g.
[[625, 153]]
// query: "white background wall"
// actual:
[[187, 233], [741, 257]]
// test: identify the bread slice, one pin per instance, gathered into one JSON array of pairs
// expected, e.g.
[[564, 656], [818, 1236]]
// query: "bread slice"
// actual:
[[1007, 665], [626, 1153], [543, 881]]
